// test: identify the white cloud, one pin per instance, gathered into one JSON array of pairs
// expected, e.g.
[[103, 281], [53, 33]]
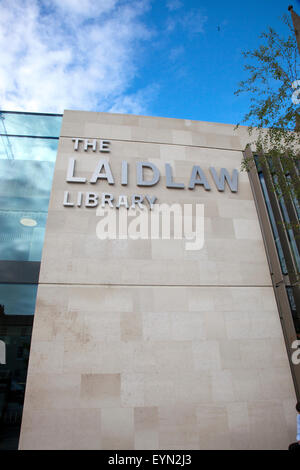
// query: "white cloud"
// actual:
[[137, 102], [173, 5], [194, 21], [176, 53], [70, 54], [191, 22], [85, 8]]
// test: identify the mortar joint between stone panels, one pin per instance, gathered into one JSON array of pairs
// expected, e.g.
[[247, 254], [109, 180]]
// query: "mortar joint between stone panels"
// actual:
[[158, 143], [154, 285]]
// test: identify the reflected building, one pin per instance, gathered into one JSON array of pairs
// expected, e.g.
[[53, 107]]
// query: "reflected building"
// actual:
[[28, 146], [15, 332]]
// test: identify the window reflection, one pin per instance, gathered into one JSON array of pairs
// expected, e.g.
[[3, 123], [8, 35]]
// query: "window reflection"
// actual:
[[22, 235], [18, 299], [26, 173], [17, 304], [24, 194], [293, 294], [29, 179], [273, 224], [295, 313], [30, 124], [21, 148]]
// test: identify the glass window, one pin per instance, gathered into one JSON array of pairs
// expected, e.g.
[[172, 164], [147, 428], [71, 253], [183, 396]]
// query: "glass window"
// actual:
[[30, 124], [290, 233], [18, 299], [26, 173], [295, 313], [294, 197], [273, 224], [22, 235], [27, 148], [26, 181], [13, 369], [289, 226]]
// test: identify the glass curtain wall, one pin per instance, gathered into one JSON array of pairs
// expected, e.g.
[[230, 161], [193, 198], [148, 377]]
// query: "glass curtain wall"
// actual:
[[28, 146], [283, 211]]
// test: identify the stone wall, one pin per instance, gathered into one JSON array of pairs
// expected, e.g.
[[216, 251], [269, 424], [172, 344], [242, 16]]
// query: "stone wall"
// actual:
[[142, 344]]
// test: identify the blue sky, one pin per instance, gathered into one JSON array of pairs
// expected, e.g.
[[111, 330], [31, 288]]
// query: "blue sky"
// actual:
[[171, 58]]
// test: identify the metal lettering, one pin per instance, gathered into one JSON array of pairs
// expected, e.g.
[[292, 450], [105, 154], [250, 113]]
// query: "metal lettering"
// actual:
[[122, 202], [70, 173], [88, 144], [107, 198], [197, 171], [140, 174], [169, 178], [124, 177], [103, 176], [224, 176], [76, 140], [136, 199], [67, 203], [91, 199], [104, 146]]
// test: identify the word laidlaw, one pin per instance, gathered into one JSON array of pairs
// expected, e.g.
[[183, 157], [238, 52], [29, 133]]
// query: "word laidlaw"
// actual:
[[103, 171]]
